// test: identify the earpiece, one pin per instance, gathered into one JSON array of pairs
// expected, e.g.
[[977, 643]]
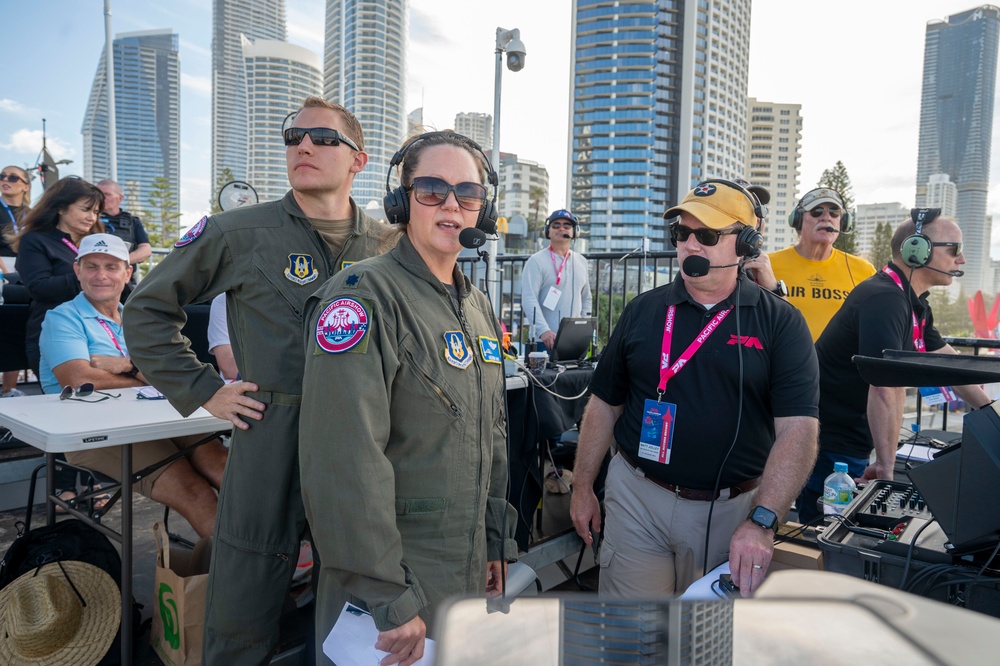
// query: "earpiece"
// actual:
[[917, 249], [397, 201], [798, 213]]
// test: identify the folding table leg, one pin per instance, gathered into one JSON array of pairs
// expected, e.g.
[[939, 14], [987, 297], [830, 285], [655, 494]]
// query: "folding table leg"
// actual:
[[127, 554]]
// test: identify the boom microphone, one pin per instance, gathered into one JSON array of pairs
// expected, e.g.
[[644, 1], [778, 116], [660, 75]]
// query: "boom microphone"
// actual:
[[831, 230], [472, 238], [698, 266], [951, 273]]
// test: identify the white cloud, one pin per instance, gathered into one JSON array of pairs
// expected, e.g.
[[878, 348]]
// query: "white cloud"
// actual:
[[305, 24], [15, 107], [200, 85], [30, 141]]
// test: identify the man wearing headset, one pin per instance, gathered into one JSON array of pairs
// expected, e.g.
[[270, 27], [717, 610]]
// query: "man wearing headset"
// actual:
[[267, 259], [555, 282], [812, 275], [887, 311], [708, 387]]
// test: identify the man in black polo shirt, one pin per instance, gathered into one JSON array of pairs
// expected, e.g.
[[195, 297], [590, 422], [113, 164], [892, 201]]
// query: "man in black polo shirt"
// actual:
[[126, 226], [887, 311], [708, 387]]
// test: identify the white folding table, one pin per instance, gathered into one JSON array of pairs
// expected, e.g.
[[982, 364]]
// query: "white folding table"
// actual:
[[61, 426]]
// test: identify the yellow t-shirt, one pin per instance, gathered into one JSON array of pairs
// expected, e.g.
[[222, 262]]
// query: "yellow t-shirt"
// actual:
[[818, 288]]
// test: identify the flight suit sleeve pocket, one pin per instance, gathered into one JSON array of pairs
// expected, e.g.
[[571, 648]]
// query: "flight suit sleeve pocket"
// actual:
[[419, 505]]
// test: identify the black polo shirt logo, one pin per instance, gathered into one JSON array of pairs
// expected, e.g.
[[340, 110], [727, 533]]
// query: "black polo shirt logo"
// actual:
[[746, 340]]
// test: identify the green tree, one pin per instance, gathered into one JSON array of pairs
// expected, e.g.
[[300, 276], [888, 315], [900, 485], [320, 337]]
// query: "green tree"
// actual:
[[225, 177], [162, 215], [838, 180], [536, 195], [951, 317], [881, 251]]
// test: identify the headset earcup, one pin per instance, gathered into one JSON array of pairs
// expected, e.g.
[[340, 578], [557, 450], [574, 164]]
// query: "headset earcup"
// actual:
[[916, 250], [547, 227], [748, 242], [795, 219], [487, 221], [397, 206], [846, 223], [673, 235]]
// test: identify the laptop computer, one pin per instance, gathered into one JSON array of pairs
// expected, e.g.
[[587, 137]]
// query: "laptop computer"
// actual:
[[573, 339]]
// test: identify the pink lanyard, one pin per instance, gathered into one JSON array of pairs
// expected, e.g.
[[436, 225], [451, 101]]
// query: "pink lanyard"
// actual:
[[667, 371], [70, 245], [559, 271], [111, 334], [918, 329]]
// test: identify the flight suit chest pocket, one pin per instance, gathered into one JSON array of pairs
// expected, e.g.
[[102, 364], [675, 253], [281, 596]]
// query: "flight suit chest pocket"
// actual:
[[291, 284]]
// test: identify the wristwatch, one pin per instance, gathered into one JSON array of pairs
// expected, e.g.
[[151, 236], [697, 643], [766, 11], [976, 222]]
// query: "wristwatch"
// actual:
[[133, 371], [761, 515], [780, 289]]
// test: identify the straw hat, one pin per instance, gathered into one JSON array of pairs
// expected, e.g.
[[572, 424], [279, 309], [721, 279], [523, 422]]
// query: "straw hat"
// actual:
[[44, 621]]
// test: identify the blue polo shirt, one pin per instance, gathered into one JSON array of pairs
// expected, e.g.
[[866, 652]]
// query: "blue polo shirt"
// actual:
[[71, 332]]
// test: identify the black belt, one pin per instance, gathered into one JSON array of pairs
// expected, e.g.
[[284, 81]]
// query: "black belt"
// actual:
[[693, 493]]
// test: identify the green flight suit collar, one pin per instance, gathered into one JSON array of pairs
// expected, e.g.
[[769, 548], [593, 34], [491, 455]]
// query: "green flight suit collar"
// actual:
[[408, 257], [291, 207]]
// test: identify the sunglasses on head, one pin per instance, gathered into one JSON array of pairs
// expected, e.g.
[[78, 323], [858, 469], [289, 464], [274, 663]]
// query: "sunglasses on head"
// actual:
[[818, 211], [956, 248], [12, 178], [320, 136], [708, 237], [432, 191], [85, 391]]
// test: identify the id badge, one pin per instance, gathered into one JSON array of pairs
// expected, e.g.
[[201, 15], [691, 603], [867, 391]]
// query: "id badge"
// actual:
[[552, 298], [657, 434]]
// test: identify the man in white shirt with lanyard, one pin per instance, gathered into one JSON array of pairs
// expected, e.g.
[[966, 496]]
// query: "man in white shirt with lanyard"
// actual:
[[555, 282]]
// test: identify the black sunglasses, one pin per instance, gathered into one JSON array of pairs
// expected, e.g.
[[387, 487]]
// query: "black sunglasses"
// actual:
[[86, 390], [708, 237], [12, 178], [320, 136], [818, 211], [431, 191], [956, 248]]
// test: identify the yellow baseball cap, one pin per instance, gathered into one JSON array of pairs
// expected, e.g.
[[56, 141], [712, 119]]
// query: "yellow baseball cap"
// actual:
[[716, 205]]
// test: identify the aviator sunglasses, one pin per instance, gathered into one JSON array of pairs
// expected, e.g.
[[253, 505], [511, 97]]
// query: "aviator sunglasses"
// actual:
[[12, 178], [705, 236], [85, 391], [818, 211], [320, 136], [431, 191]]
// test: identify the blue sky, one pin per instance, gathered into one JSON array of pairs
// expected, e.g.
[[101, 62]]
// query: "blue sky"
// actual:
[[855, 70]]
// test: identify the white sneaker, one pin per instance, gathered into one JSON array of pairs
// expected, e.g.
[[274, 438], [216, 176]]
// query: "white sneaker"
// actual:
[[13, 393]]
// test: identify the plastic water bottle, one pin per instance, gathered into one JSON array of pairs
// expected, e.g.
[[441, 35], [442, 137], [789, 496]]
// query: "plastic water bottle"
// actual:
[[838, 490]]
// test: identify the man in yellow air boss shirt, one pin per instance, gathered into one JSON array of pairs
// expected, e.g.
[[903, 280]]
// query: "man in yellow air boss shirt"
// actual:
[[812, 275]]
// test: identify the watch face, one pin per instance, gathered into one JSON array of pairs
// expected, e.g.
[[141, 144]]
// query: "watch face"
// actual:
[[764, 517]]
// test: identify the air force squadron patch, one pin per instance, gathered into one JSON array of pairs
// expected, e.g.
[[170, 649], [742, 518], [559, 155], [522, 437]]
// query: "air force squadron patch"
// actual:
[[456, 351], [489, 348], [300, 269], [192, 234], [343, 326]]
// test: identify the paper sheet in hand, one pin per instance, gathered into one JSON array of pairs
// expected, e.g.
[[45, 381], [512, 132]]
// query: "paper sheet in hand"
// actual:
[[352, 641]]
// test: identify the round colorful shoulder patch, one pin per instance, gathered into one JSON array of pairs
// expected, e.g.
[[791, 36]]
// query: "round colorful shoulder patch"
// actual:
[[192, 233], [341, 326]]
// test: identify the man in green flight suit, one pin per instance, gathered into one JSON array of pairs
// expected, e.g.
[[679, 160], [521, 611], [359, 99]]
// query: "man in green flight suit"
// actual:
[[268, 259]]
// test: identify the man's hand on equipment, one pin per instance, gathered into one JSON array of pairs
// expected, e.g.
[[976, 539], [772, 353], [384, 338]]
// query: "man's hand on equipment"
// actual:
[[750, 553], [230, 404], [548, 339]]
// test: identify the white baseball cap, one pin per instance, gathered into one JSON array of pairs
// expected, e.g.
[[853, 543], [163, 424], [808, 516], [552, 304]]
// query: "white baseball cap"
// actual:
[[103, 244]]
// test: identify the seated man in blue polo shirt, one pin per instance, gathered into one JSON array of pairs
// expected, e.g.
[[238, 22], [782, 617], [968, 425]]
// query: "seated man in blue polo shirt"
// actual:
[[82, 342]]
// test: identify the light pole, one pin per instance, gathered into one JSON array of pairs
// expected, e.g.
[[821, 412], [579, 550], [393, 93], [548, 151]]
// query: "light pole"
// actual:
[[508, 41]]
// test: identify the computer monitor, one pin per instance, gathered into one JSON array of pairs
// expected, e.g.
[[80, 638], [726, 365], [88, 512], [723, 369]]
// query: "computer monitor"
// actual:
[[573, 338]]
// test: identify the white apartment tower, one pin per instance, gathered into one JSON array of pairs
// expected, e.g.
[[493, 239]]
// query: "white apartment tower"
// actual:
[[869, 216], [943, 194], [524, 187], [774, 134], [478, 127], [278, 77]]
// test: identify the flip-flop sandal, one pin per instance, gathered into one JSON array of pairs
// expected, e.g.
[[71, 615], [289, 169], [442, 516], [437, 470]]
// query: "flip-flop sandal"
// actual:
[[64, 494]]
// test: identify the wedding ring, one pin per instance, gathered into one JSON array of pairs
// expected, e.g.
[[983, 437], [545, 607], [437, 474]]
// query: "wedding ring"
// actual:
[[757, 566]]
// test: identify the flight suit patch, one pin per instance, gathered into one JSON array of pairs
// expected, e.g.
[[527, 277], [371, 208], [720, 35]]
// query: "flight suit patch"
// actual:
[[300, 269], [489, 349], [343, 327], [192, 234], [346, 264], [352, 280], [456, 351]]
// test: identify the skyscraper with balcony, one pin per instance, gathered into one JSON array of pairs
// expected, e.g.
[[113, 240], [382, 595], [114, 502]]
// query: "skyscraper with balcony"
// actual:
[[257, 19], [658, 102], [774, 135], [956, 125], [147, 113], [476, 126], [364, 69], [278, 76]]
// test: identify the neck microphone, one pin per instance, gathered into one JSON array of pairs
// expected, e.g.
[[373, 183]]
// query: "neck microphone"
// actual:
[[472, 238], [951, 273], [567, 237], [698, 266], [831, 230]]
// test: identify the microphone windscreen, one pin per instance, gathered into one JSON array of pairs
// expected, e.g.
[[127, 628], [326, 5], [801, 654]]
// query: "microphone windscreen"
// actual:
[[696, 266], [958, 273], [472, 238]]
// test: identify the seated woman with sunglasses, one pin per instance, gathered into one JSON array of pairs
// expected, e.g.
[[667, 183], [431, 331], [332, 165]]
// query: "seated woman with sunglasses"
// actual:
[[402, 413], [83, 353]]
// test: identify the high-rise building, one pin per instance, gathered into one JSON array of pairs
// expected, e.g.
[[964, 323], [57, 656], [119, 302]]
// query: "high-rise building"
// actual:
[[279, 76], [658, 100], [869, 216], [257, 19], [147, 116], [524, 186], [414, 120], [956, 125], [476, 126], [364, 69], [943, 194], [774, 134]]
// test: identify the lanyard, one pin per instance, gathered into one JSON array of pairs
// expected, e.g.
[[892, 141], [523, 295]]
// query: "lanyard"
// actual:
[[559, 271], [667, 371], [13, 221], [918, 329], [111, 334], [70, 245]]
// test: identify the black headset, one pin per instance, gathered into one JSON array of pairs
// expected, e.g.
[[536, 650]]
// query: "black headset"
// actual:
[[748, 240], [397, 202], [798, 213], [917, 249], [562, 214]]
